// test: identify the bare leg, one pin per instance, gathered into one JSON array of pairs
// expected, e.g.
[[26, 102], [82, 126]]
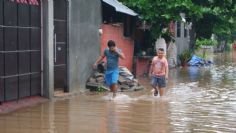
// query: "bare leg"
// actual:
[[161, 90], [113, 89], [155, 90]]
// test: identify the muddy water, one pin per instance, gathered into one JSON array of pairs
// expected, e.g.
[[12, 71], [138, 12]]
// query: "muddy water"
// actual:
[[196, 100]]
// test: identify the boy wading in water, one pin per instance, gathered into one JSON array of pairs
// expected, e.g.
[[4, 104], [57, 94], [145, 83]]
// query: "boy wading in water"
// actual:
[[112, 54], [159, 72]]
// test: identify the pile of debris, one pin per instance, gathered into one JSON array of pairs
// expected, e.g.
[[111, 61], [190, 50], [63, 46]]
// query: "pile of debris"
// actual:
[[126, 81]]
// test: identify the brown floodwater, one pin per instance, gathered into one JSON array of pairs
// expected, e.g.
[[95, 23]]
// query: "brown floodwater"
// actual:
[[196, 100]]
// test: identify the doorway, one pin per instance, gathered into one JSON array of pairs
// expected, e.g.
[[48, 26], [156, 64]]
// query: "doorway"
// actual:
[[60, 45]]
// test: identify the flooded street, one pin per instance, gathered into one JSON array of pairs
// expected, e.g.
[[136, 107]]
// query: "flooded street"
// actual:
[[196, 100]]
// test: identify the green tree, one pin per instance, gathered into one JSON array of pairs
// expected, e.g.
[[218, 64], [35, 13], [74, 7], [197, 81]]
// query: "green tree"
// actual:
[[207, 16]]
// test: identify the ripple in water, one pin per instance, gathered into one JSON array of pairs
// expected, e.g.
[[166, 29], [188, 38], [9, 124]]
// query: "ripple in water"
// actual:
[[208, 105], [119, 98]]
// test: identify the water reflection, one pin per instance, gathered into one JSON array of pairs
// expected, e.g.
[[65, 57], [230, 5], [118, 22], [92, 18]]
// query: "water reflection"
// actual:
[[198, 99]]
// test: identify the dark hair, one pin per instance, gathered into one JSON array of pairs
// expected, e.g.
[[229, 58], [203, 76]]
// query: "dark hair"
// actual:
[[161, 49], [111, 43]]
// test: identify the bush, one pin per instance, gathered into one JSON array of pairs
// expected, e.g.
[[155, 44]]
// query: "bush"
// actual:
[[205, 42], [185, 57]]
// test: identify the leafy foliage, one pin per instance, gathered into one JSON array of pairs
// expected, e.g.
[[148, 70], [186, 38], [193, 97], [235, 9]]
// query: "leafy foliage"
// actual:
[[184, 57], [101, 89], [205, 42], [208, 16]]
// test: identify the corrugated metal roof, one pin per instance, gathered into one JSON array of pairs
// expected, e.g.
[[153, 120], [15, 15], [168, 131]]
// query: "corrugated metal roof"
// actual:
[[120, 7]]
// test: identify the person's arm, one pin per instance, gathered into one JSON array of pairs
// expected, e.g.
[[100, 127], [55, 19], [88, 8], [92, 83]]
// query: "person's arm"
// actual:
[[167, 70], [151, 69], [120, 54], [98, 60]]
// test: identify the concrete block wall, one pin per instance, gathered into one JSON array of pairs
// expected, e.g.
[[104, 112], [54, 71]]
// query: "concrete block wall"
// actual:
[[84, 48]]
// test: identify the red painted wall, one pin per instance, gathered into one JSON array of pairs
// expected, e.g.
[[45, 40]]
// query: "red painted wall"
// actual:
[[115, 32]]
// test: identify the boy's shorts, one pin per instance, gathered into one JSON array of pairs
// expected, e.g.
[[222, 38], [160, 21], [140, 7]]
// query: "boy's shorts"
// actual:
[[111, 77], [159, 81]]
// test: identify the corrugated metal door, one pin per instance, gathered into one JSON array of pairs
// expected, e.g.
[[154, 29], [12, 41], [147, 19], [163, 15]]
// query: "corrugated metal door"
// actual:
[[20, 49]]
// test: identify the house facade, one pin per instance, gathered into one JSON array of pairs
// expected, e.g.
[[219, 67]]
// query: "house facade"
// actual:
[[47, 45], [118, 24], [142, 61]]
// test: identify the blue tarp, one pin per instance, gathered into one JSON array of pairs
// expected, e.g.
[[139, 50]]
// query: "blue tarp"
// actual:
[[198, 61]]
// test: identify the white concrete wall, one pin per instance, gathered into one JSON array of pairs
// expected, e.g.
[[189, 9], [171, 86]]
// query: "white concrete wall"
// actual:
[[181, 42]]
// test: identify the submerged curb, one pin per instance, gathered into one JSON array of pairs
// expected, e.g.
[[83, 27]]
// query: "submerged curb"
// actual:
[[11, 106]]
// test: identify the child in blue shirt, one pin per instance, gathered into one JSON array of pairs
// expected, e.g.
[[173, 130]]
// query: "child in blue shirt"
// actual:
[[112, 54]]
